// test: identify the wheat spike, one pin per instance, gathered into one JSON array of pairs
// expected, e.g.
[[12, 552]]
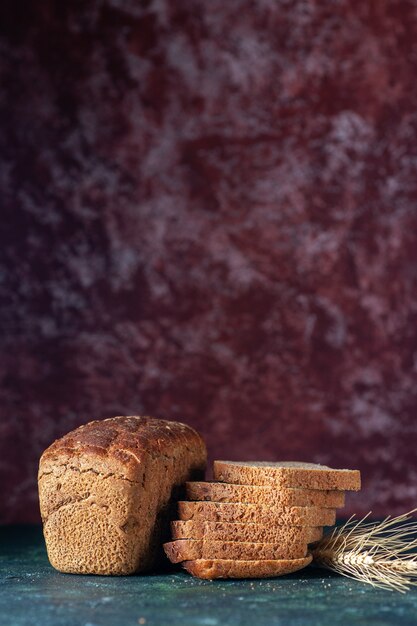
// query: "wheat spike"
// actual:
[[379, 553]]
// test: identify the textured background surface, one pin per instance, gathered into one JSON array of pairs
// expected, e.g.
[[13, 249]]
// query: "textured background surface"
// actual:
[[208, 213]]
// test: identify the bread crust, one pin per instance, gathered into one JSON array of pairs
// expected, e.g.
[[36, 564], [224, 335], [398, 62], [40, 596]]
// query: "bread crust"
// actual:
[[105, 491], [119, 442]]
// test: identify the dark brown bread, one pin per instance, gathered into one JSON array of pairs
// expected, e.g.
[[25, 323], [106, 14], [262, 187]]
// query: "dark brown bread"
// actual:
[[258, 514], [252, 494], [235, 531], [286, 474], [105, 489], [191, 549], [223, 568]]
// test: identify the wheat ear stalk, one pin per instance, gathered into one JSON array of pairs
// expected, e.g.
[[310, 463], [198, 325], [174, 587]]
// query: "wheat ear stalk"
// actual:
[[379, 553]]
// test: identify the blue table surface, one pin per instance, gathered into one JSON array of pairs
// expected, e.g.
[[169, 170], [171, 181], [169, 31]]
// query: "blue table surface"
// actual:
[[32, 592]]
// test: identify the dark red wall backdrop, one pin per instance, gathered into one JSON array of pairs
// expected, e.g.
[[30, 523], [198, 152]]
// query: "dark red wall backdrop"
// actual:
[[208, 213]]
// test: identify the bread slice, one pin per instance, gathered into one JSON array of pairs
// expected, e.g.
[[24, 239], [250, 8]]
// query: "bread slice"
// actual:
[[191, 549], [287, 474], [252, 494], [228, 531], [105, 489], [258, 514], [225, 568]]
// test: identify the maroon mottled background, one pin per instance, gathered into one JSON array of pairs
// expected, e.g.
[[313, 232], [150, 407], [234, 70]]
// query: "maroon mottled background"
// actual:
[[208, 213]]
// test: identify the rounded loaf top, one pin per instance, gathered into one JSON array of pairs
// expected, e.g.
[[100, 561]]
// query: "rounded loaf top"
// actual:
[[126, 437]]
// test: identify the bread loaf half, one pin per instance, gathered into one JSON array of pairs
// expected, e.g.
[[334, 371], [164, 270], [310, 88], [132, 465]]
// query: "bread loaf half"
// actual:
[[105, 491]]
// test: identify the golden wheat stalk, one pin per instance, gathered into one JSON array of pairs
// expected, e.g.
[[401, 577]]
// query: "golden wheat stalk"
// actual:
[[379, 553]]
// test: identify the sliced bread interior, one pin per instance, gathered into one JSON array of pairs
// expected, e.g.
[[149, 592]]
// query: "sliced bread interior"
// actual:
[[246, 532], [256, 520], [226, 568], [261, 514], [269, 495], [191, 549], [287, 474]]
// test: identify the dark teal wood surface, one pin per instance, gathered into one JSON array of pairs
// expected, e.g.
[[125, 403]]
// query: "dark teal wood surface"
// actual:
[[32, 592]]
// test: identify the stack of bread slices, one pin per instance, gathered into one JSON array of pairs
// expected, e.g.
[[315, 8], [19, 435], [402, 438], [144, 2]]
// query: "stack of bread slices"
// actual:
[[256, 519]]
